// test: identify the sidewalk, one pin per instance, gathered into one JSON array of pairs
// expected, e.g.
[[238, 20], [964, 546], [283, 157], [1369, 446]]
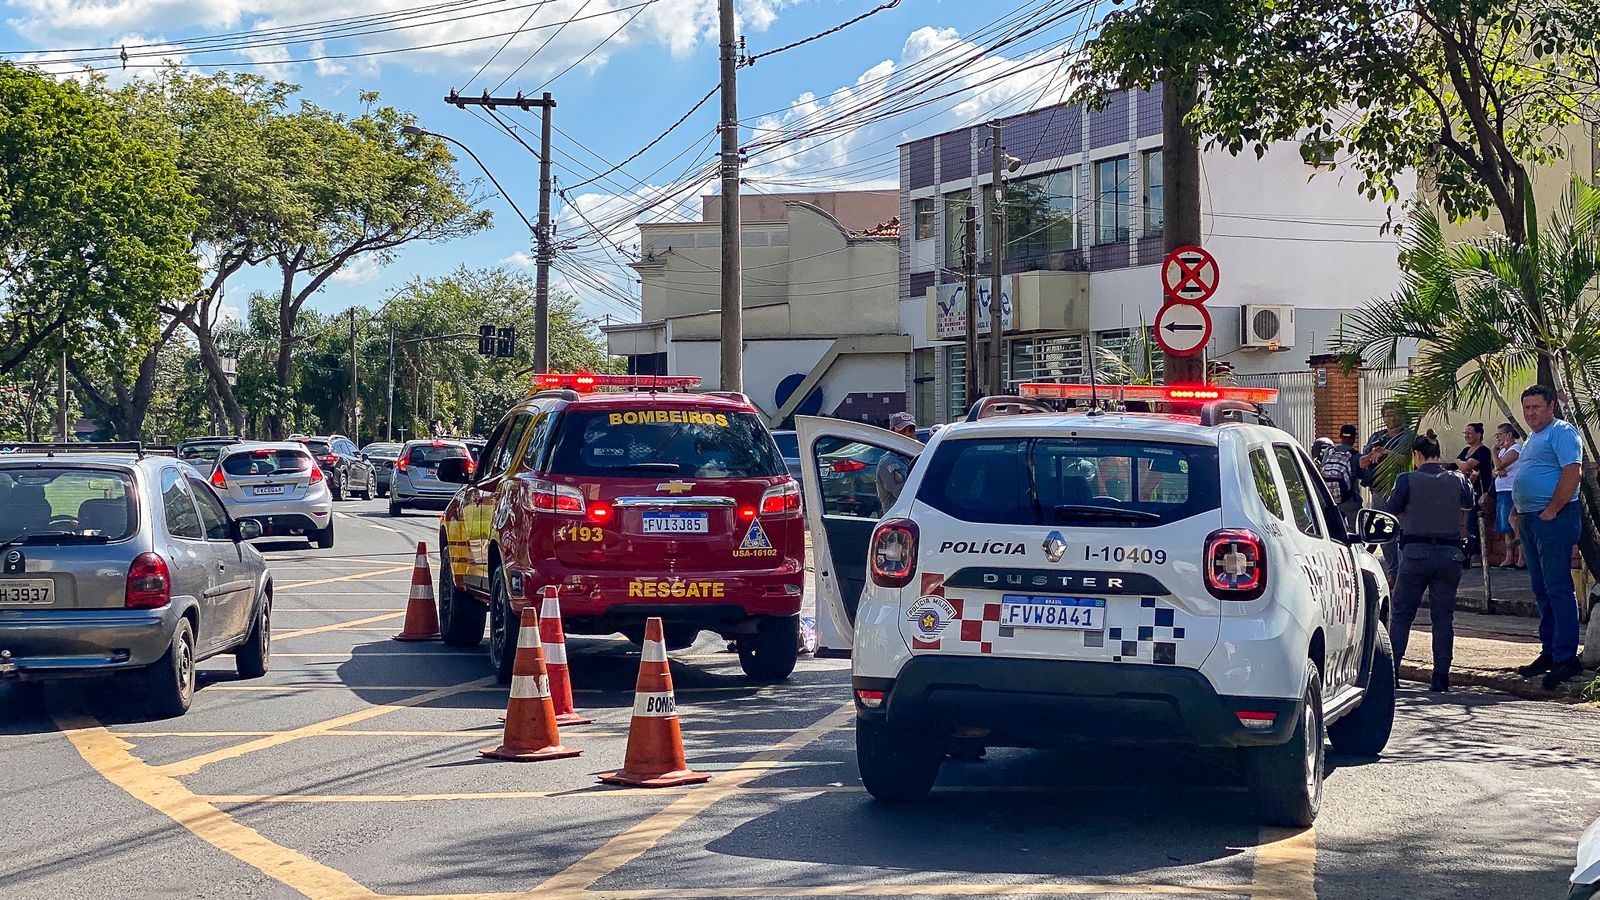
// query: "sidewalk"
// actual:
[[1487, 651]]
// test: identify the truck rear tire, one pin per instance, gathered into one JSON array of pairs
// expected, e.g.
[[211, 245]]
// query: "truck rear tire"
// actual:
[[897, 765], [1286, 780], [771, 653]]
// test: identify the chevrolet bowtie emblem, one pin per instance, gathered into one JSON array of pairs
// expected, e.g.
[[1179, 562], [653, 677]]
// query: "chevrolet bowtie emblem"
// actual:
[[675, 487]]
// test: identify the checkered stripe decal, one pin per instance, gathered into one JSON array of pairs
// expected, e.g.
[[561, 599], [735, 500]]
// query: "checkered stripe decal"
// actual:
[[976, 625], [1154, 640]]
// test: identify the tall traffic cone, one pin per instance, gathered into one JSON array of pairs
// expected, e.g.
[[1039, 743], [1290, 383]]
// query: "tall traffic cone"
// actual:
[[655, 744], [555, 659], [422, 614], [531, 734]]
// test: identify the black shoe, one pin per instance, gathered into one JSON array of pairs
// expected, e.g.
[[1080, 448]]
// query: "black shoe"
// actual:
[[1562, 672], [1539, 666], [1439, 685]]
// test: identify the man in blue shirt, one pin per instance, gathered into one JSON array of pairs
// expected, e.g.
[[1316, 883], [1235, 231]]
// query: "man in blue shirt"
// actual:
[[1545, 493]]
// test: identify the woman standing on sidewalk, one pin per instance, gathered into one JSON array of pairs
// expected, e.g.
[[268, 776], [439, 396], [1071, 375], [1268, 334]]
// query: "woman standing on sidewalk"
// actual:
[[1506, 451]]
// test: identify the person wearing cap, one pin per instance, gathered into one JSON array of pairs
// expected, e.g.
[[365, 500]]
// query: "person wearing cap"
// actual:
[[892, 467], [1429, 501], [1346, 458]]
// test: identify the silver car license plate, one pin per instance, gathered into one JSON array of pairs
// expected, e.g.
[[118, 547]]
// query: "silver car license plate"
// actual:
[[263, 491], [27, 592]]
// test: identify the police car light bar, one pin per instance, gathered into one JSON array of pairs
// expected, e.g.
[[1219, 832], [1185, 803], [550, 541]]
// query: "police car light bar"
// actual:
[[1148, 392], [586, 382]]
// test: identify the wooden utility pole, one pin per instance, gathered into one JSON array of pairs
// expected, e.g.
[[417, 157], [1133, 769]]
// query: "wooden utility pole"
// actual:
[[61, 411], [1180, 201], [997, 255], [732, 262], [969, 268]]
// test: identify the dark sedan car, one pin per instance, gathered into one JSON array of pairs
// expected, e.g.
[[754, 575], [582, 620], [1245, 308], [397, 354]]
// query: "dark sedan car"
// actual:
[[341, 463], [382, 455]]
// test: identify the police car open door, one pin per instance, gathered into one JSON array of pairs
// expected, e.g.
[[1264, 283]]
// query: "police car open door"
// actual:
[[839, 463]]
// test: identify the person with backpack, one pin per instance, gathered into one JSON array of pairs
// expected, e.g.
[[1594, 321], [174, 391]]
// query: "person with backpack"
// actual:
[[1341, 469]]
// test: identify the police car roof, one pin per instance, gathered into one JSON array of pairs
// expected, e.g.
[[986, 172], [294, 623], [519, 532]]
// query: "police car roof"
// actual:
[[1186, 429]]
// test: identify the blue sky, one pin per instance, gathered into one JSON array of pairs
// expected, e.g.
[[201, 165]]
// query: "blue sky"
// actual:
[[619, 92]]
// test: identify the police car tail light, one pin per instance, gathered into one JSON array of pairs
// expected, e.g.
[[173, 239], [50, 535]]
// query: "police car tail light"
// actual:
[[870, 699], [784, 498], [894, 553], [1259, 721], [149, 584], [558, 498], [1235, 564]]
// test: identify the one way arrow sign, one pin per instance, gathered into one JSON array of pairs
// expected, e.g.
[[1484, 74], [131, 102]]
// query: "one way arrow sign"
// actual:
[[1183, 328]]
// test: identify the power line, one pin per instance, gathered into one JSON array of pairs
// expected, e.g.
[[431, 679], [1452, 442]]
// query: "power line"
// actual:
[[540, 49]]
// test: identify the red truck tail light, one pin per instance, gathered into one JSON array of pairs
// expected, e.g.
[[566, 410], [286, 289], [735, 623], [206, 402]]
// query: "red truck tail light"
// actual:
[[893, 558], [846, 466], [783, 498], [218, 480], [149, 584], [1235, 564], [558, 498]]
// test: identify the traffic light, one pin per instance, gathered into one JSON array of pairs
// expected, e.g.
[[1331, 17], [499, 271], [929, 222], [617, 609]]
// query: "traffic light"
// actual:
[[507, 344], [486, 340]]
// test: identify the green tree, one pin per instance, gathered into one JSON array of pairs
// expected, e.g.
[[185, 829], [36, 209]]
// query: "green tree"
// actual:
[[1469, 95], [95, 225]]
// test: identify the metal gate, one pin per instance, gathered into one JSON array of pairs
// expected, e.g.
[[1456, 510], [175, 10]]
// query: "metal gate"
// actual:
[[1296, 409], [1377, 386]]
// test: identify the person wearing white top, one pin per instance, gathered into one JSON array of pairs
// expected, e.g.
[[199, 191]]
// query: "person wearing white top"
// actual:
[[1506, 451]]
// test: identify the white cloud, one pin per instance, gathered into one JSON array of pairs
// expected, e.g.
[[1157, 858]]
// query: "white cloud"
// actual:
[[359, 270], [519, 259]]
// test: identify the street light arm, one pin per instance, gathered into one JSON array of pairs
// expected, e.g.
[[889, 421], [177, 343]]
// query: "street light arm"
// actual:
[[415, 131]]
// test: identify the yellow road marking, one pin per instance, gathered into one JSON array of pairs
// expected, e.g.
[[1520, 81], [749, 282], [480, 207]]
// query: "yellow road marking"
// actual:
[[356, 577], [109, 755], [340, 626], [196, 763], [642, 837], [332, 609], [377, 560], [1286, 865], [475, 732]]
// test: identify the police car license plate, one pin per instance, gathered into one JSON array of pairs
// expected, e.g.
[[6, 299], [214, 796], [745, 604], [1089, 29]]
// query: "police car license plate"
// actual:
[[1067, 613], [263, 491], [676, 523], [27, 592]]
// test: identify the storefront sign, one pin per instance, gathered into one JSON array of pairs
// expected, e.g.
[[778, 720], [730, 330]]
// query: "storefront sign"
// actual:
[[950, 318]]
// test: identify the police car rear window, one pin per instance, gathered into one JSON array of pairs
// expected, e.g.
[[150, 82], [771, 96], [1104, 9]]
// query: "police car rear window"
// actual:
[[645, 442], [1066, 481]]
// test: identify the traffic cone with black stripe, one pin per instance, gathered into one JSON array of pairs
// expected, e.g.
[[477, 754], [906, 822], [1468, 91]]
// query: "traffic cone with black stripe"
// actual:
[[422, 613], [655, 743], [531, 734]]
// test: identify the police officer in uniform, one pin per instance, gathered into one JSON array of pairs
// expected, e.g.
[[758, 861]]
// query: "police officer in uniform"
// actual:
[[1429, 502]]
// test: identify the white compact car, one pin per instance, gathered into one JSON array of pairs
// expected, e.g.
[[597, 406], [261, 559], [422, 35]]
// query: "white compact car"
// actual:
[[1133, 579], [278, 485]]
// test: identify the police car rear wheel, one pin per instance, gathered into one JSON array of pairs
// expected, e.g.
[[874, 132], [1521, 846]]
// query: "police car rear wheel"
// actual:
[[896, 764], [461, 618], [502, 629], [1286, 780], [771, 653], [1365, 731]]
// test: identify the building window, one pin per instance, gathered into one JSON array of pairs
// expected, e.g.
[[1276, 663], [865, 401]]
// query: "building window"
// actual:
[[1041, 218], [955, 226], [922, 213], [955, 379], [1111, 200], [1154, 194]]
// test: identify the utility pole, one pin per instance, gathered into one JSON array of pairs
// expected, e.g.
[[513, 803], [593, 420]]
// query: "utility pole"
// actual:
[[355, 417], [61, 412], [1180, 202], [969, 269], [543, 251], [732, 272], [997, 254], [389, 428]]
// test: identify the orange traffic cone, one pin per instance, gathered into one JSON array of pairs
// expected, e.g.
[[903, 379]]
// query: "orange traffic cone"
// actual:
[[655, 745], [555, 648], [422, 614], [531, 734]]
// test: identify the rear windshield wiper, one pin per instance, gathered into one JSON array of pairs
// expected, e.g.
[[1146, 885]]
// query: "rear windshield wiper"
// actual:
[[57, 537], [1078, 511]]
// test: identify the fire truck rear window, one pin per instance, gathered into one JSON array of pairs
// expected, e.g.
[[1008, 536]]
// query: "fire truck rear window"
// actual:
[[645, 442]]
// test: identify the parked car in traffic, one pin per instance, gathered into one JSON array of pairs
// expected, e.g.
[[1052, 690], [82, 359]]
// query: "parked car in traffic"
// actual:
[[416, 475], [115, 561], [849, 477], [382, 455], [347, 473], [278, 486], [202, 452]]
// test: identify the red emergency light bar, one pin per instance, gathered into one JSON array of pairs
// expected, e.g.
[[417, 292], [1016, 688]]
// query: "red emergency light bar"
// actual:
[[1149, 393], [586, 382]]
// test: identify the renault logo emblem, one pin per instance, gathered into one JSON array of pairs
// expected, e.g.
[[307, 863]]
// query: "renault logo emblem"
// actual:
[[675, 487], [1055, 546]]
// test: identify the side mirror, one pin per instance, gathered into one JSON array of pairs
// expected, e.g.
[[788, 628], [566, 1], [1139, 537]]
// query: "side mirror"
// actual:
[[455, 470], [246, 530], [1374, 526]]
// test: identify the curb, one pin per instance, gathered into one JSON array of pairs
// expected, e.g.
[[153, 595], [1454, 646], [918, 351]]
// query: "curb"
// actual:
[[1504, 682]]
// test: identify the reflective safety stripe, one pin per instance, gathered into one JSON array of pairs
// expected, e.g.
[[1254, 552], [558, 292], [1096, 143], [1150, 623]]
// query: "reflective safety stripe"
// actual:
[[422, 561], [655, 705], [654, 651], [529, 687], [422, 592], [528, 637], [555, 654], [550, 608]]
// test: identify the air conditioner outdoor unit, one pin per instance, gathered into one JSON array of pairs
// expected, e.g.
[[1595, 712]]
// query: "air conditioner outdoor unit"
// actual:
[[1268, 326]]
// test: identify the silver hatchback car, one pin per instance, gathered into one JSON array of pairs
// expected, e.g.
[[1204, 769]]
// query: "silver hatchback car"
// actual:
[[278, 486], [416, 475], [115, 561]]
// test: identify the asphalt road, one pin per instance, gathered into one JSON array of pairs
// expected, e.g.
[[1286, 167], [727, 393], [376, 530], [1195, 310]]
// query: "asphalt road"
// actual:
[[351, 770]]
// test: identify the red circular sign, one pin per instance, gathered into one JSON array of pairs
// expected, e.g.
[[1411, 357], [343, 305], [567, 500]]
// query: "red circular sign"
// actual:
[[1182, 329], [1189, 275]]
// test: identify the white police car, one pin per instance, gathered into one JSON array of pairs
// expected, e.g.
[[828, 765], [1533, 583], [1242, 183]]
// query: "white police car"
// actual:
[[1049, 577]]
